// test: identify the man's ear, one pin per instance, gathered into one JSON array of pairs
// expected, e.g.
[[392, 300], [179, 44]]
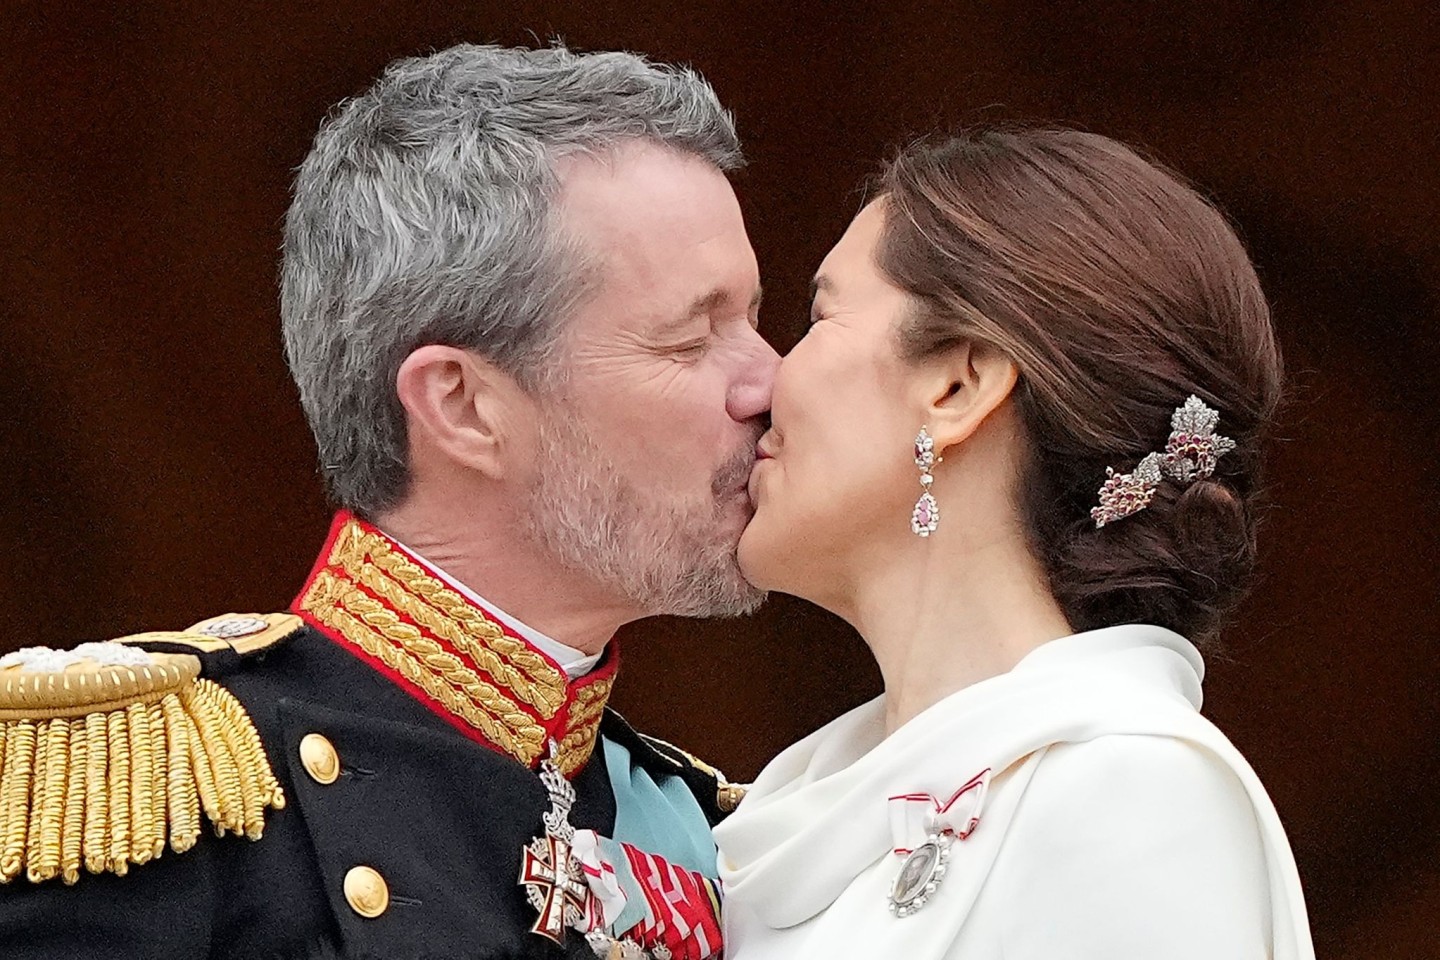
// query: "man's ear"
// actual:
[[964, 388], [460, 405]]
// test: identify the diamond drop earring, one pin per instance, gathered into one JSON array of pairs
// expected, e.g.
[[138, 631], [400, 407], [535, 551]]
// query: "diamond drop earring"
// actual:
[[925, 518]]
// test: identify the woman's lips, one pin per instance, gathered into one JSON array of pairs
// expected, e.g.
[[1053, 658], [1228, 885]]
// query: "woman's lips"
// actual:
[[754, 473]]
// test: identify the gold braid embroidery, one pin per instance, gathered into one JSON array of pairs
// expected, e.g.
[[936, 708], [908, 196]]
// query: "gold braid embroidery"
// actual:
[[589, 704], [433, 656], [549, 684], [575, 750], [377, 631], [583, 726], [584, 716], [596, 692], [542, 699], [323, 601], [362, 561]]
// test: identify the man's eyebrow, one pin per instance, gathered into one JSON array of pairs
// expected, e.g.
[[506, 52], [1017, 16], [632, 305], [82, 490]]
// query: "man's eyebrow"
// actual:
[[704, 304], [701, 305], [821, 284]]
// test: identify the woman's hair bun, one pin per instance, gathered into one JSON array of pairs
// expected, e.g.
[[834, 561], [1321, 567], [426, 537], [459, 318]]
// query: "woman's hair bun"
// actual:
[[1213, 536]]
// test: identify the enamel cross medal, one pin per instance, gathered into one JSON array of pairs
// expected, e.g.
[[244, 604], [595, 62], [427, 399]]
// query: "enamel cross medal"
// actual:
[[936, 825], [555, 881], [549, 871]]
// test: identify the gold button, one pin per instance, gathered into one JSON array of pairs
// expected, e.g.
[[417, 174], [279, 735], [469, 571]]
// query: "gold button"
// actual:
[[319, 758], [366, 892]]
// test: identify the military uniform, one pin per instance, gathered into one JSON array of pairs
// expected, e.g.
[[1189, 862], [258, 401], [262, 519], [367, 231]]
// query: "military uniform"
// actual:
[[380, 743]]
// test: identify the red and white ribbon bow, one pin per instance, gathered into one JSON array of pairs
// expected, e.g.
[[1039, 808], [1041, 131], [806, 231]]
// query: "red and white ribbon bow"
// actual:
[[607, 896], [917, 817]]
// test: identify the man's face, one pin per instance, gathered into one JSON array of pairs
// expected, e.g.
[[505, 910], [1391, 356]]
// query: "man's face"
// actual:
[[646, 444]]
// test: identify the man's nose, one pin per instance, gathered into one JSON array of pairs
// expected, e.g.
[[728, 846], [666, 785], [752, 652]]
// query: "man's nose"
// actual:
[[749, 394]]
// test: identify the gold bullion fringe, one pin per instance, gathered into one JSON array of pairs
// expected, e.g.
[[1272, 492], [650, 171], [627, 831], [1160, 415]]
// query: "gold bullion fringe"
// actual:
[[111, 789]]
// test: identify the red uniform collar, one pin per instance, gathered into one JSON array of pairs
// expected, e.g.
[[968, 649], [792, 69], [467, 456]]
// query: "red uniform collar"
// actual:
[[391, 610]]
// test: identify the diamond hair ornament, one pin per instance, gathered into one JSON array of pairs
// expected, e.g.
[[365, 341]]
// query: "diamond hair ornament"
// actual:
[[1191, 454], [1194, 446], [925, 518], [1127, 493]]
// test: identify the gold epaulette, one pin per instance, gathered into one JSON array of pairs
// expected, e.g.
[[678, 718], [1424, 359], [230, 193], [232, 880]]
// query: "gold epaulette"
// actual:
[[727, 795], [108, 752], [243, 633]]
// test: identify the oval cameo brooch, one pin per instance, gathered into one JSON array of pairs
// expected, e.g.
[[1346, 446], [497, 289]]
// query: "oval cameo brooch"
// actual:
[[936, 824], [920, 873]]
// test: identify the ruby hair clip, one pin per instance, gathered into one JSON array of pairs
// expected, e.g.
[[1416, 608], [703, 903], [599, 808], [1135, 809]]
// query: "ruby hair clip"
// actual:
[[1190, 454]]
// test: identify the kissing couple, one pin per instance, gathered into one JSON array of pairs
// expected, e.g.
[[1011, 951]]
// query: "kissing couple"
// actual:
[[1019, 450]]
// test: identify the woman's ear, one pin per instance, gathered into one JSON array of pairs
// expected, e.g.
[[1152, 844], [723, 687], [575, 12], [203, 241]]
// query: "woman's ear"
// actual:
[[966, 386], [459, 405]]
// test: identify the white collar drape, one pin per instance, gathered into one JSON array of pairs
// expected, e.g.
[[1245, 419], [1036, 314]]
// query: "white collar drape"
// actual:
[[817, 818]]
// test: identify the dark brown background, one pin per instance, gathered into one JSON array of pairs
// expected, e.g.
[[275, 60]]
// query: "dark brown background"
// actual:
[[158, 470]]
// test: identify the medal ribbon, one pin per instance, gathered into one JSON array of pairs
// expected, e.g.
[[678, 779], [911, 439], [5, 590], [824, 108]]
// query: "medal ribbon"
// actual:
[[916, 817], [645, 898]]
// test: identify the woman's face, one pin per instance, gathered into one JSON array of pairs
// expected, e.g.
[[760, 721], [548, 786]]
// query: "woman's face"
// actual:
[[836, 478]]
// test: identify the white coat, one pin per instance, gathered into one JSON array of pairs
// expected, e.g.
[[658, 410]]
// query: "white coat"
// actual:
[[1109, 821]]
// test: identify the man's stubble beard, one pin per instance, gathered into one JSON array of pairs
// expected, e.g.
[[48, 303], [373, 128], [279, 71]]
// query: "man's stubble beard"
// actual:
[[663, 557]]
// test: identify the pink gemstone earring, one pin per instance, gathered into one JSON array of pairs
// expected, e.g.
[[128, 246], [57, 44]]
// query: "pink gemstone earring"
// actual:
[[925, 518]]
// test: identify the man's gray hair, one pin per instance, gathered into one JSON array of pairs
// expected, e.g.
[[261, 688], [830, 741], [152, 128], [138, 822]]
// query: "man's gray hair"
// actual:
[[425, 213]]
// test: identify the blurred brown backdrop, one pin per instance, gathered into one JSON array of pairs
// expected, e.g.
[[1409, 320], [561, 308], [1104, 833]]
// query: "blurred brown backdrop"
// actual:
[[157, 469]]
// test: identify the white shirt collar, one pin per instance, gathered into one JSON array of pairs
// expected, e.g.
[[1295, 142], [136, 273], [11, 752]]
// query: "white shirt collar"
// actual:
[[575, 663]]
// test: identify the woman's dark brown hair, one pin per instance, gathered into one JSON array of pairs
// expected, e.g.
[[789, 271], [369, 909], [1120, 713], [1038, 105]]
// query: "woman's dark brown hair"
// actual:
[[1118, 291]]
